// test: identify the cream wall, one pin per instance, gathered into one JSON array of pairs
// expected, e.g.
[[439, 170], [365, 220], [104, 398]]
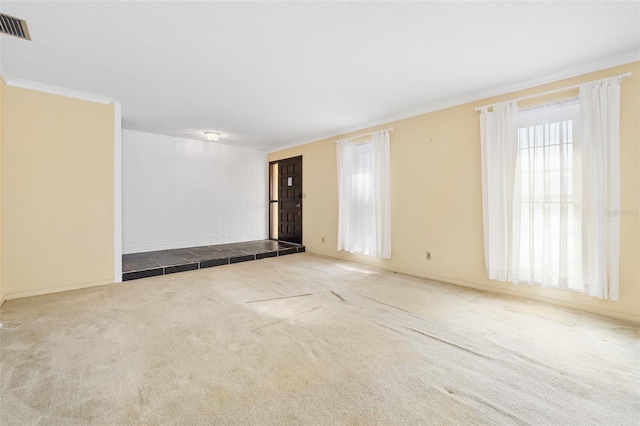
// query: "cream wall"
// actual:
[[2, 289], [436, 199], [58, 193]]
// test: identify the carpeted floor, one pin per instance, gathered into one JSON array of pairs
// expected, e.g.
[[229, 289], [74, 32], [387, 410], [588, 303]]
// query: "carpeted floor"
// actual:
[[310, 340]]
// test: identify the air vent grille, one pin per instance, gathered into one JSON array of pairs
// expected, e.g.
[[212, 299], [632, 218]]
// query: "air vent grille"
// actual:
[[14, 26]]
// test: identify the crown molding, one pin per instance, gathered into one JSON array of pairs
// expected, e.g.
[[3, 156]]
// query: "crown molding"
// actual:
[[7, 75], [5, 71], [626, 58], [55, 90]]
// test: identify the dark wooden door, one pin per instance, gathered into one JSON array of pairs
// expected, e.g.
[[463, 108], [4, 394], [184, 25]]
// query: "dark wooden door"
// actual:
[[290, 200]]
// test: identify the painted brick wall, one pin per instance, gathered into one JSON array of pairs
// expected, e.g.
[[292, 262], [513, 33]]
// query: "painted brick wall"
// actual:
[[184, 193]]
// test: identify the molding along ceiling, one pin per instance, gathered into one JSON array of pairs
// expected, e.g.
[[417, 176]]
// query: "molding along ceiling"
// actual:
[[275, 74], [622, 60], [47, 88]]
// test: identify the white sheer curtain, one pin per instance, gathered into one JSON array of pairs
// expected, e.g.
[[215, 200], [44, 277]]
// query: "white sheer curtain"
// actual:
[[600, 132], [364, 208], [344, 163], [499, 149], [547, 224], [551, 191]]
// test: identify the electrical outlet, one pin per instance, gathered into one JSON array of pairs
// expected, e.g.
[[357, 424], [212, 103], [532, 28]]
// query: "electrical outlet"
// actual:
[[428, 255]]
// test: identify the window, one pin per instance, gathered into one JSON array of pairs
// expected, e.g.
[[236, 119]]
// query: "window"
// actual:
[[550, 175], [364, 224], [547, 218], [361, 202]]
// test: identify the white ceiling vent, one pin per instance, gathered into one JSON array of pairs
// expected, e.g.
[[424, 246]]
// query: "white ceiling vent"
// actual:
[[14, 26]]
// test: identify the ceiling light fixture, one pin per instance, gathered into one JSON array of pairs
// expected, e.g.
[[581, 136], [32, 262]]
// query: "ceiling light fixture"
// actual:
[[212, 136]]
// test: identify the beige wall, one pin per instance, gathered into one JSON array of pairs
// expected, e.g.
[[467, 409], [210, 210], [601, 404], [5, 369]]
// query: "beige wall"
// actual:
[[2, 289], [436, 199], [58, 193]]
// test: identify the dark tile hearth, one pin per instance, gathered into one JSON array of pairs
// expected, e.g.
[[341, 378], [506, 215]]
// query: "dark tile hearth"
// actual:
[[238, 259], [150, 264], [269, 254], [287, 251]]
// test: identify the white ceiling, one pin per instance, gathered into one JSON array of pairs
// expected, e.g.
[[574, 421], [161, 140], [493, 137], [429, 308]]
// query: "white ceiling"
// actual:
[[271, 74]]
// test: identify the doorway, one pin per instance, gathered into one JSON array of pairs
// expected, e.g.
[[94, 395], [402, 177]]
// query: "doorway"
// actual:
[[285, 200]]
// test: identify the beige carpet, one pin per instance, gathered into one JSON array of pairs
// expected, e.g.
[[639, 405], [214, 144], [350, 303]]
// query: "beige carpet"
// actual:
[[230, 345]]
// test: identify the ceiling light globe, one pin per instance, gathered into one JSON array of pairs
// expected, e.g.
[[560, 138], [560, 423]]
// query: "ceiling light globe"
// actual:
[[212, 136]]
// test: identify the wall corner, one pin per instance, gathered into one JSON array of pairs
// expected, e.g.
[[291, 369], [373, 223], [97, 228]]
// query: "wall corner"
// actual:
[[117, 192]]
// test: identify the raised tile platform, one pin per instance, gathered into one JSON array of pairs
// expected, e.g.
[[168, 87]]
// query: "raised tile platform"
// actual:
[[149, 264]]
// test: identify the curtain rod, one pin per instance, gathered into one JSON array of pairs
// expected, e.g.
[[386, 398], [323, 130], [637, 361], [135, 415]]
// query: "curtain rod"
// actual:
[[562, 89], [390, 129]]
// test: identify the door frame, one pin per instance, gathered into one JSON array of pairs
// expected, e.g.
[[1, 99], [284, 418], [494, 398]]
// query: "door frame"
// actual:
[[271, 192]]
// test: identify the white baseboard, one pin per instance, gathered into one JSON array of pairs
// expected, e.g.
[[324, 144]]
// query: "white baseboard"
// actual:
[[20, 295], [482, 287]]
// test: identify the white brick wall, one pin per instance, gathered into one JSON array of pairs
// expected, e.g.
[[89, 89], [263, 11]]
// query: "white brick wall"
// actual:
[[184, 193]]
